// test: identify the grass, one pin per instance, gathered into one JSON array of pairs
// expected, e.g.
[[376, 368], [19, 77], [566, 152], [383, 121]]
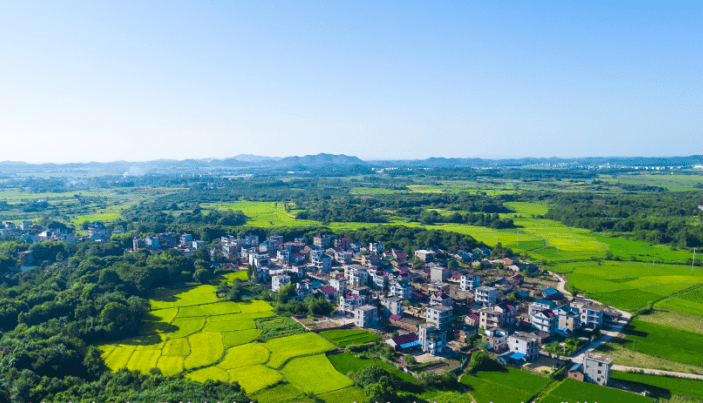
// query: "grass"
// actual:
[[665, 342], [170, 366], [164, 315], [254, 378], [662, 386], [220, 308], [232, 339], [683, 305], [571, 390], [286, 348], [255, 306], [315, 374], [192, 311], [282, 393], [206, 349], [229, 326], [345, 337], [346, 395], [245, 355]]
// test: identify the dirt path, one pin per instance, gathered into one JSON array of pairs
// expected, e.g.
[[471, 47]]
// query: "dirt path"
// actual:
[[467, 392]]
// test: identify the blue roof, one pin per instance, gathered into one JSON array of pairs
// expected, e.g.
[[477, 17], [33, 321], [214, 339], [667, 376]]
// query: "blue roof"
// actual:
[[517, 356], [545, 302], [548, 291], [575, 367], [488, 346], [411, 344]]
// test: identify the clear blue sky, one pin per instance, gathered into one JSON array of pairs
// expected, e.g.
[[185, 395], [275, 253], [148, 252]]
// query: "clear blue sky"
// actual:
[[121, 80]]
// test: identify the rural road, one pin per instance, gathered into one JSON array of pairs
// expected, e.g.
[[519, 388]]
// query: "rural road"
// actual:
[[606, 334], [657, 372]]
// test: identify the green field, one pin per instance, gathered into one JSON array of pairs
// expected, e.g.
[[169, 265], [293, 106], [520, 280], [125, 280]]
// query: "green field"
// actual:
[[245, 355], [661, 386], [505, 384], [629, 285], [346, 395], [346, 363], [666, 342], [282, 393], [285, 348], [324, 378], [574, 391], [256, 377], [345, 337], [206, 349]]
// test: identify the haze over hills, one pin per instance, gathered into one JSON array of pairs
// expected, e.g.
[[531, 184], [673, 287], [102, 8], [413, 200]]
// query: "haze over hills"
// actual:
[[254, 162]]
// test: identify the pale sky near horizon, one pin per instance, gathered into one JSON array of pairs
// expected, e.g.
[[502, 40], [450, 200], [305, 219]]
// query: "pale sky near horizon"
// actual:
[[140, 80]]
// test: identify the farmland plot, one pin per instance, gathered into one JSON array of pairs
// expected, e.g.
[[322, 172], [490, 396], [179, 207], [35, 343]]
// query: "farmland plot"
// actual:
[[285, 348], [170, 366], [206, 349], [315, 374], [244, 355], [574, 391], [345, 337], [254, 378]]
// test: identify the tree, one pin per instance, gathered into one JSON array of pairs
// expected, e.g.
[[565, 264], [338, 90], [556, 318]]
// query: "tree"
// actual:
[[202, 276]]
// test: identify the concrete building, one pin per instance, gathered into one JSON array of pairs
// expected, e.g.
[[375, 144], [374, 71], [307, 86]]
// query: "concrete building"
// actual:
[[278, 282], [392, 306], [469, 282], [568, 318], [365, 316], [321, 241], [545, 321], [596, 368], [339, 283], [321, 262], [485, 296], [439, 315], [356, 275], [432, 339], [524, 343], [401, 289], [591, 314], [439, 274], [424, 255], [501, 316], [541, 305]]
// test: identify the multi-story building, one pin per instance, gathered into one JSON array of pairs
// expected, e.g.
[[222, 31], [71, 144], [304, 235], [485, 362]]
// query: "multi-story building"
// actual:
[[341, 243], [432, 339], [365, 316], [485, 295], [439, 273], [278, 282], [424, 255], [401, 289], [545, 321], [392, 306], [596, 368], [251, 241], [352, 298], [440, 315], [343, 257], [356, 275], [568, 318], [500, 316], [439, 297], [339, 283], [541, 305], [321, 241], [524, 343], [376, 247], [321, 262], [469, 282], [591, 314]]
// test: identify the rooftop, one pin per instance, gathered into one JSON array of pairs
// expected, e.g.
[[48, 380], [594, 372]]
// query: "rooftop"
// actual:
[[599, 357]]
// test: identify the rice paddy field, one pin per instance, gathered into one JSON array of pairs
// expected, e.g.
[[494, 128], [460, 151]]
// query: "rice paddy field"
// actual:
[[662, 387], [189, 332], [509, 385], [630, 285], [665, 342], [345, 337], [570, 390]]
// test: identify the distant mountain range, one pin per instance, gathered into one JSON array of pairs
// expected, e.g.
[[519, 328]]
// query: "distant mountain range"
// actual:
[[255, 162]]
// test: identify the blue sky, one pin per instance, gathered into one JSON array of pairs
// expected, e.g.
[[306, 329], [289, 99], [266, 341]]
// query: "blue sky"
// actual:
[[103, 81]]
